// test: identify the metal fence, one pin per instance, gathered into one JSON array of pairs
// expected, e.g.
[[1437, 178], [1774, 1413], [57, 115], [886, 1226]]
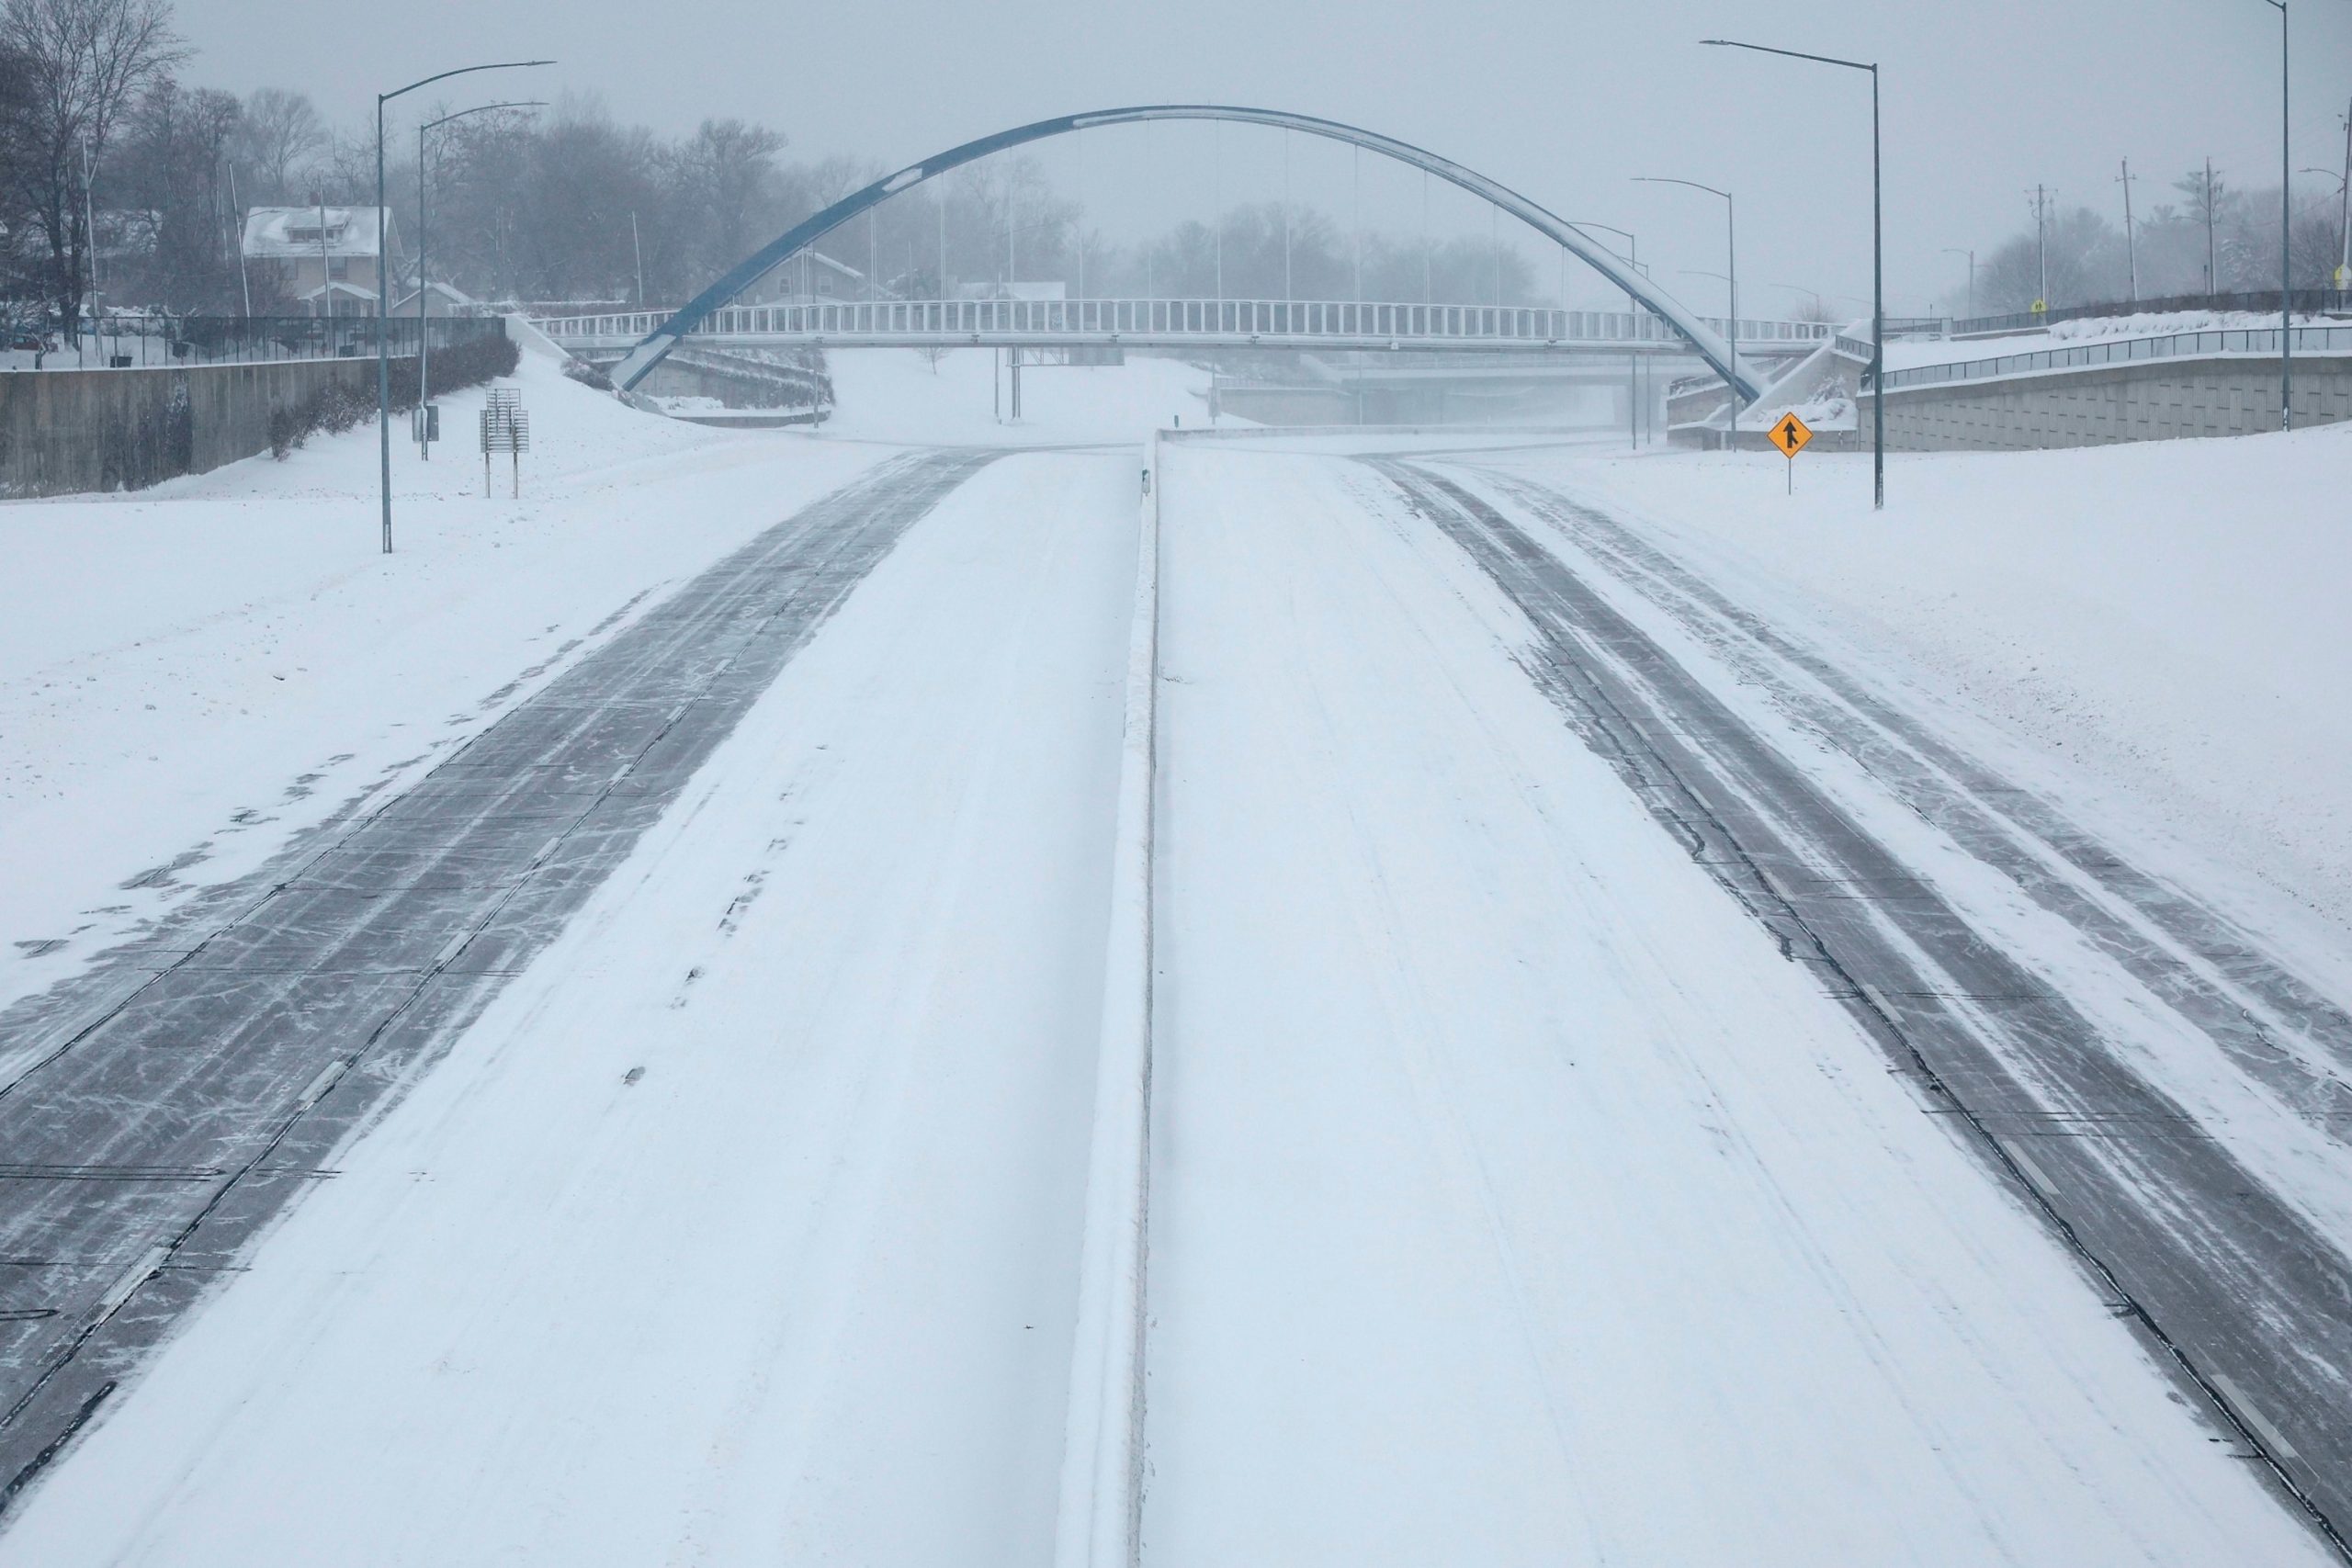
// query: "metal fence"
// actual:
[[2248, 343], [130, 340], [2309, 301]]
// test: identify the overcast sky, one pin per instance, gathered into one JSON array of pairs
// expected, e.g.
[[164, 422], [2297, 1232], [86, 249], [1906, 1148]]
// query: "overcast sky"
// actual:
[[1563, 100]]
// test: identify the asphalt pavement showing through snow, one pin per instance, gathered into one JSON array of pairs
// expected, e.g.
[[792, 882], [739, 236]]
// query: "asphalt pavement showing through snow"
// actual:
[[2221, 1277], [190, 1086]]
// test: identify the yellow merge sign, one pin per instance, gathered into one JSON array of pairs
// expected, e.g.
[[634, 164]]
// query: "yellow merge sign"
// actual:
[[1791, 434]]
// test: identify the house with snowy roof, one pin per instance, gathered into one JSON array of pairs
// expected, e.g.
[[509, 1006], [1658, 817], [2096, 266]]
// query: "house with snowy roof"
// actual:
[[323, 257]]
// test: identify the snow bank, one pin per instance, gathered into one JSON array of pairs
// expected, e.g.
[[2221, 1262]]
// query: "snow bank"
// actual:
[[2162, 624]]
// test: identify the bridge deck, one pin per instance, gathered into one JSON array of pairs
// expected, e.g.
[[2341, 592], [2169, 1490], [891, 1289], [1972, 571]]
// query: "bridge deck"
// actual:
[[1216, 323]]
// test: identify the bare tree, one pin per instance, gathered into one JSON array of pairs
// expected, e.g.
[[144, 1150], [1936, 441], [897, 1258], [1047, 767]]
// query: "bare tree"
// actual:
[[86, 61], [281, 132], [735, 165], [170, 170]]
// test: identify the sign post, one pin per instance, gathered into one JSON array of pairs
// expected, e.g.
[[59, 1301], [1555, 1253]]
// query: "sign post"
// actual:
[[505, 428], [1791, 435]]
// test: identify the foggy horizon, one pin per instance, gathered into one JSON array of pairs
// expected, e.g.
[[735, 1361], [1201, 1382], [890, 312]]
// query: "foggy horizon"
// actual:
[[1981, 104]]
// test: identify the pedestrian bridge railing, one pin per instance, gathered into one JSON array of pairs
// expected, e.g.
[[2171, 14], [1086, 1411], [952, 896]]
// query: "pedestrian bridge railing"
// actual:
[[2259, 344], [1277, 322]]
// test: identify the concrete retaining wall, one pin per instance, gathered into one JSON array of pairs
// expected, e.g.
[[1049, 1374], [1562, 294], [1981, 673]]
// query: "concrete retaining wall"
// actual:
[[68, 431], [2150, 401]]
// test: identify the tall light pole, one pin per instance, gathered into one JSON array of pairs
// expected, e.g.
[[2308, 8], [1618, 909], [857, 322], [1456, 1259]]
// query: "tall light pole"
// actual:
[[1878, 255], [2041, 195], [2286, 234], [1731, 261], [2344, 262], [384, 284], [2130, 235], [1954, 251], [423, 339], [1633, 308]]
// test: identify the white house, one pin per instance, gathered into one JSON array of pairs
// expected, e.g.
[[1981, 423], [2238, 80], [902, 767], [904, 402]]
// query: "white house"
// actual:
[[324, 257]]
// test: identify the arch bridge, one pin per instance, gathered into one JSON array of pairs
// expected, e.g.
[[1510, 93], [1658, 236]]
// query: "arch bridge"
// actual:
[[695, 317]]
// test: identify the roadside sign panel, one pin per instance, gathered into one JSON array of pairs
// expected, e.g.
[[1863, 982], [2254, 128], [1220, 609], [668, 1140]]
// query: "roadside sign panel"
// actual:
[[1791, 434]]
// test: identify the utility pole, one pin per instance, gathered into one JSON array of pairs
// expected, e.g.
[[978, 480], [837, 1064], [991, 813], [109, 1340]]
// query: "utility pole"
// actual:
[[1955, 251], [2130, 235], [637, 243]]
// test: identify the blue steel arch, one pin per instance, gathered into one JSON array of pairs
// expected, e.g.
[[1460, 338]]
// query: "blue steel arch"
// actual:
[[1711, 347]]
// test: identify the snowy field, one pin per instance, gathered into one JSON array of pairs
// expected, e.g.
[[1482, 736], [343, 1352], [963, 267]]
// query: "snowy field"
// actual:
[[1514, 1198]]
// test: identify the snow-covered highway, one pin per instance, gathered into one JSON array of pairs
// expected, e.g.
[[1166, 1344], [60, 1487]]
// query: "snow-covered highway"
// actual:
[[1630, 1083]]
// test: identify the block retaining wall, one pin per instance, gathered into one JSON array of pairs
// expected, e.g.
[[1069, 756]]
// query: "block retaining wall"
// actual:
[[2151, 401], [64, 432]]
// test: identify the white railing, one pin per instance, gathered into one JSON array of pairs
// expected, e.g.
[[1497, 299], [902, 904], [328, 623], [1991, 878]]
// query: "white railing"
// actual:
[[1286, 319], [2254, 343]]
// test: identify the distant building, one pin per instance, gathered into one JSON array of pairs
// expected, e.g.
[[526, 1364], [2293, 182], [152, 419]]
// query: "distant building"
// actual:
[[813, 279], [324, 257], [1014, 290]]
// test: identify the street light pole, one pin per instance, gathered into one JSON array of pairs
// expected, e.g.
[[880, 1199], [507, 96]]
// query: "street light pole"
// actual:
[[384, 285], [1731, 262], [423, 336], [1878, 253], [2286, 237], [2344, 262], [1633, 308]]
